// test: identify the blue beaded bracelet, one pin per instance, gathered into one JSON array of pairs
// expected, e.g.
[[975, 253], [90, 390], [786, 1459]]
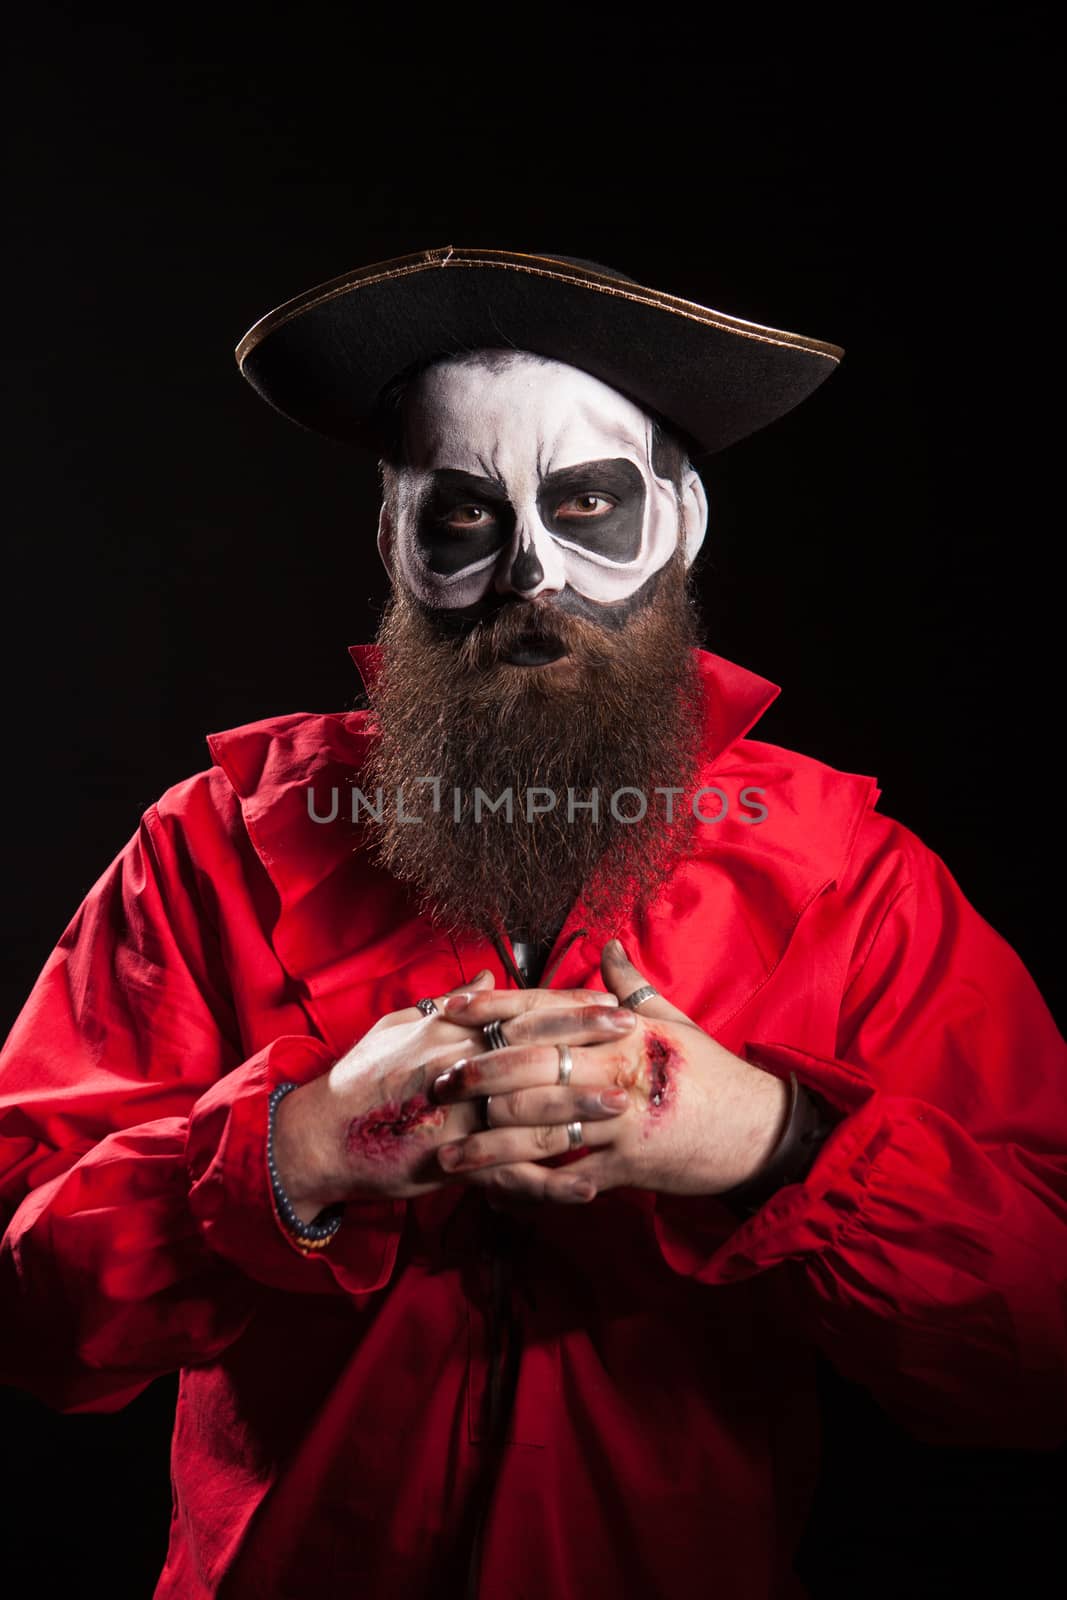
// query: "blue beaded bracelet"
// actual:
[[311, 1235]]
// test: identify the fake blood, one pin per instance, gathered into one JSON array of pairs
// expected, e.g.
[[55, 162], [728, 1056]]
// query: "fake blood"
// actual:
[[663, 1058], [380, 1132]]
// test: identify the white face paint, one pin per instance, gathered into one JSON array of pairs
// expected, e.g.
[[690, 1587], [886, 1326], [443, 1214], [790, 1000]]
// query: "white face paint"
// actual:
[[525, 476]]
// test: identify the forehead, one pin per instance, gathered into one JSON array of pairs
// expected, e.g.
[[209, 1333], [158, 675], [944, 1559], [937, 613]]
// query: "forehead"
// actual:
[[486, 414]]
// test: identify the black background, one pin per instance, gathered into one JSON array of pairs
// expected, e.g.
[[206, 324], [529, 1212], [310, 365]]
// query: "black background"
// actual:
[[180, 560]]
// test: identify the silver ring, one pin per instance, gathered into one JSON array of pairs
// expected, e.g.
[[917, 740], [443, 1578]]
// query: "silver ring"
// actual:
[[486, 1121], [493, 1033], [639, 997], [427, 1007], [574, 1134], [566, 1063]]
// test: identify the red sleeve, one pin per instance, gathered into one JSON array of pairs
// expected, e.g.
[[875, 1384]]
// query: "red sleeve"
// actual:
[[926, 1252], [140, 1228]]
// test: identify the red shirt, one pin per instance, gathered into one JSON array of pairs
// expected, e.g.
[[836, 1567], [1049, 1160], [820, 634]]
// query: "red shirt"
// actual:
[[329, 1433]]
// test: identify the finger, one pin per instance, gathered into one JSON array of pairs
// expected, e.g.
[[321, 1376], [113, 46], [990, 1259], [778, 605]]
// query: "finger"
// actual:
[[528, 1108], [622, 978], [500, 1147], [569, 1025], [599, 1169], [497, 1005], [481, 983], [525, 1182], [529, 1066], [478, 984]]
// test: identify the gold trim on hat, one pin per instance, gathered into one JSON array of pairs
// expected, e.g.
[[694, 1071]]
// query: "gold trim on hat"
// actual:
[[538, 266]]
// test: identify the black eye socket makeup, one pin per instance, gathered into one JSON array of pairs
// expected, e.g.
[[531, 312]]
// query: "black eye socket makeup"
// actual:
[[447, 541], [614, 532], [465, 518]]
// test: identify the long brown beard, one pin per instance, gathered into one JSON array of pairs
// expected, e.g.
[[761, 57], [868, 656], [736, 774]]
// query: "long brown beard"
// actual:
[[627, 715]]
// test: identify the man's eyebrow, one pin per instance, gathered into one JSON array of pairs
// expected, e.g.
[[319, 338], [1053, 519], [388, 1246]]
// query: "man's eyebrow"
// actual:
[[449, 480], [616, 473]]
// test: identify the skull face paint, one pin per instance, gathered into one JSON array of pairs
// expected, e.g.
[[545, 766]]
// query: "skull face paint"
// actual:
[[523, 478]]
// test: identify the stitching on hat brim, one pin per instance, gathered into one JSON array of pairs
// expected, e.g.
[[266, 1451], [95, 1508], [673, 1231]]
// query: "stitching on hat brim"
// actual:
[[574, 277]]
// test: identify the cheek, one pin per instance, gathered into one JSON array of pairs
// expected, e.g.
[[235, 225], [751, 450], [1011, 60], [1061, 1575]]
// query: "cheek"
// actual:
[[441, 591], [604, 586], [611, 583]]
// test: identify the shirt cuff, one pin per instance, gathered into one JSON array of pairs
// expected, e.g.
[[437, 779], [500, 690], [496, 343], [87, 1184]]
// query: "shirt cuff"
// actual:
[[230, 1194], [700, 1237]]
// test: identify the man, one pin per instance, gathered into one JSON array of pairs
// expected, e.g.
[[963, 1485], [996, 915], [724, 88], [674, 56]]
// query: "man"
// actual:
[[492, 1102]]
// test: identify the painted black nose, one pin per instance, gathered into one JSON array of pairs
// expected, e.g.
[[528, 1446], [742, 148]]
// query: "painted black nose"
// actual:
[[526, 570]]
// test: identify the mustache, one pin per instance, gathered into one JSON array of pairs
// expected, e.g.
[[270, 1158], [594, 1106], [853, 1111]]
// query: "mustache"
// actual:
[[524, 621]]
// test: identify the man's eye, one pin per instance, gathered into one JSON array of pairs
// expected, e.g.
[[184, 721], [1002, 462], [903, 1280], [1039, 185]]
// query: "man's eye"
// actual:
[[465, 517], [584, 507]]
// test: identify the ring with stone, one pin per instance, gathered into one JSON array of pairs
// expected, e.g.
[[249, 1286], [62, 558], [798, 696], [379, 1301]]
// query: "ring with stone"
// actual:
[[574, 1134], [639, 996], [566, 1063], [493, 1033], [427, 1007]]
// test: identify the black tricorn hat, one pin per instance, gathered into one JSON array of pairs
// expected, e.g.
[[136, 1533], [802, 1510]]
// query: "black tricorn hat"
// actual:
[[324, 358]]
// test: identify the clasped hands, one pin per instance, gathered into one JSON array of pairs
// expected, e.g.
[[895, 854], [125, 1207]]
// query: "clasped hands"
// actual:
[[662, 1106]]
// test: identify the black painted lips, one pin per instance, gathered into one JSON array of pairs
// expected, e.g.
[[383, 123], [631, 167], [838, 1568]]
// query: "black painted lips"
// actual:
[[535, 650]]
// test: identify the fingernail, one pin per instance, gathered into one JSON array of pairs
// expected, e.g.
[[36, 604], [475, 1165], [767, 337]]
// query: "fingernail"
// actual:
[[442, 1084], [582, 1189], [457, 1002], [622, 1021], [616, 951], [614, 1099], [478, 976], [449, 1156]]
